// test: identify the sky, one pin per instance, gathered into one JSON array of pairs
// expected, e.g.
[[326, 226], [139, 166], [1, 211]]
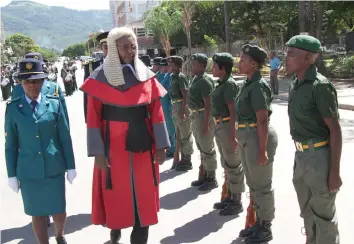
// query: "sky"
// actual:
[[74, 4]]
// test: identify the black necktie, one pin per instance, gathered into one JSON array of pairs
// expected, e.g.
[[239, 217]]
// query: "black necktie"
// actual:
[[34, 104]]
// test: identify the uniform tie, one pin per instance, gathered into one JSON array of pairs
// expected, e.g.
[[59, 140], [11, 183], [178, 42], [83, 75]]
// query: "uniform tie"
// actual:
[[34, 104]]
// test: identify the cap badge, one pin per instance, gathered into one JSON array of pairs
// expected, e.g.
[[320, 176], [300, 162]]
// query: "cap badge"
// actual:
[[247, 49], [29, 66], [35, 57]]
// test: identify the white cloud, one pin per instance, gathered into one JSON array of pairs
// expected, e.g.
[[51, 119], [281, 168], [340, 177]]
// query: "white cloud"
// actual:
[[74, 4]]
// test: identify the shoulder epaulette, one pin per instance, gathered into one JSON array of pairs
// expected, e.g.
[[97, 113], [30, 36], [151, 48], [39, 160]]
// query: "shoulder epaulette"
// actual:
[[13, 100], [52, 97]]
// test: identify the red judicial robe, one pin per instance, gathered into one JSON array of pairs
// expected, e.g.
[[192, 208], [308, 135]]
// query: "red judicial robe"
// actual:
[[130, 172]]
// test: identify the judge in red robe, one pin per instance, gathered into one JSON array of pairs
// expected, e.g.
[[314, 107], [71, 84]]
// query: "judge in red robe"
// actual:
[[127, 135]]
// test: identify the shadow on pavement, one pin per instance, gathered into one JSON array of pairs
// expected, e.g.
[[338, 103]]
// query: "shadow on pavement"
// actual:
[[242, 241], [170, 174], [74, 223], [197, 229], [178, 199]]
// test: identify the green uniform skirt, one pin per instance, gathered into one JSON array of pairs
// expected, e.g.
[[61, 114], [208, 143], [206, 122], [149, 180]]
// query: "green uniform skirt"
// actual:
[[43, 197]]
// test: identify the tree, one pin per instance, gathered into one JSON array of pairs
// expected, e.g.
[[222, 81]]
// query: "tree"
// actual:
[[75, 50], [227, 27], [21, 44], [302, 16], [163, 22]]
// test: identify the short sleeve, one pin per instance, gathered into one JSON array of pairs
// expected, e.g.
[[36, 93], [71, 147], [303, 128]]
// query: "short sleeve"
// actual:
[[183, 82], [259, 99], [206, 89], [326, 100], [230, 92]]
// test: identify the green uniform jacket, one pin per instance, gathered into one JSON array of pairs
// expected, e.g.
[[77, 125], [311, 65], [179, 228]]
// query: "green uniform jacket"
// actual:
[[37, 146], [225, 93], [178, 82], [202, 86], [310, 101], [48, 88]]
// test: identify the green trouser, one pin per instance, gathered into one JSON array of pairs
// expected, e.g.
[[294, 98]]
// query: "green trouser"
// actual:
[[230, 159], [184, 127], [317, 203], [205, 143], [258, 178]]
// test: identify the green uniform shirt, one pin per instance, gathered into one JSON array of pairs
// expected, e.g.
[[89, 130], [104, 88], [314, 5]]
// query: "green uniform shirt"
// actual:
[[224, 94], [255, 95], [178, 82], [202, 86], [310, 101]]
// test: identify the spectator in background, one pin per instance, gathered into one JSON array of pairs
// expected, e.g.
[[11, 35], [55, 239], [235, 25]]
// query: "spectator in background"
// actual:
[[274, 68]]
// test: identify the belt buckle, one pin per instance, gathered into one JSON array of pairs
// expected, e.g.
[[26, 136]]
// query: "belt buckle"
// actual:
[[299, 146], [236, 125]]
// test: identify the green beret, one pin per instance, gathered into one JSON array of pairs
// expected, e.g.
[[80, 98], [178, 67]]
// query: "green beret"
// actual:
[[200, 57], [156, 61], [255, 52], [304, 42], [223, 58], [175, 59], [163, 62]]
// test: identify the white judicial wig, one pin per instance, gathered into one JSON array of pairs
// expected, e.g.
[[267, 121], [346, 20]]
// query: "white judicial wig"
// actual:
[[112, 66]]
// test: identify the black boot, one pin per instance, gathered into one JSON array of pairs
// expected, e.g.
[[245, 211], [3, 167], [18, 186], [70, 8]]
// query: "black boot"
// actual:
[[233, 207], [185, 164], [200, 181], [223, 203], [262, 234], [61, 240], [210, 182], [249, 231], [174, 165], [115, 236]]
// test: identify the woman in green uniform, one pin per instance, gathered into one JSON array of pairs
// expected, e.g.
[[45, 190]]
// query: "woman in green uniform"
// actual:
[[257, 141], [38, 151], [199, 101], [223, 111]]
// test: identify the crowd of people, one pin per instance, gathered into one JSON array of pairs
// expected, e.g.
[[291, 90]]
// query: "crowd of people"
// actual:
[[137, 117]]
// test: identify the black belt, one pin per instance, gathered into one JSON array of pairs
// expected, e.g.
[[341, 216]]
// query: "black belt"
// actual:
[[138, 139]]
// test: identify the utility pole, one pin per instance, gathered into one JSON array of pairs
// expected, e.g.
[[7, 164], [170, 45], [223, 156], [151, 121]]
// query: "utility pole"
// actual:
[[227, 27]]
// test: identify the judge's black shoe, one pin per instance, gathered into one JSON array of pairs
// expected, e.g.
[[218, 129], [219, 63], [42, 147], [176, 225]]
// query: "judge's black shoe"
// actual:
[[61, 240], [222, 204], [115, 236], [262, 234]]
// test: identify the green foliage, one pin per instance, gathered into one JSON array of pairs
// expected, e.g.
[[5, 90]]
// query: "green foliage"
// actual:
[[22, 44], [342, 67], [53, 27], [75, 50], [211, 42]]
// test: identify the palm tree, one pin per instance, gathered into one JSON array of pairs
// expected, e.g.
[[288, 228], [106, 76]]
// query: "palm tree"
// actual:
[[163, 25]]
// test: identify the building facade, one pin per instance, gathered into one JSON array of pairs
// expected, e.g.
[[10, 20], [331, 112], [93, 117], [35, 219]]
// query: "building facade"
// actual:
[[129, 13]]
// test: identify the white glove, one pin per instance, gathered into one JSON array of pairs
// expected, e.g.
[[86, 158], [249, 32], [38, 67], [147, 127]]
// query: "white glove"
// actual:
[[13, 184], [71, 175]]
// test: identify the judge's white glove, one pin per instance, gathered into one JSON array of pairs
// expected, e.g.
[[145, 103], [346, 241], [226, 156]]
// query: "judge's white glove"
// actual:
[[71, 175], [13, 184]]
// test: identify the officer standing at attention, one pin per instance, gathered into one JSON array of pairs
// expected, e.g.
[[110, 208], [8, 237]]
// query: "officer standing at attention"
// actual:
[[199, 101], [178, 92], [223, 100], [89, 67], [257, 141], [38, 152], [315, 129], [166, 106], [48, 88]]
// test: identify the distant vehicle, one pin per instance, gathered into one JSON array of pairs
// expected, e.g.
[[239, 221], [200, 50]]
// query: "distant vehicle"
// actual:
[[97, 55]]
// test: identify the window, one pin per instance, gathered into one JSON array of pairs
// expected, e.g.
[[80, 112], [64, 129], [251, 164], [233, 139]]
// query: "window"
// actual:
[[150, 33], [140, 32]]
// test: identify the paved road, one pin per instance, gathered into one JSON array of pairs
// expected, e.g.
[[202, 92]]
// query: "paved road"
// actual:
[[186, 216]]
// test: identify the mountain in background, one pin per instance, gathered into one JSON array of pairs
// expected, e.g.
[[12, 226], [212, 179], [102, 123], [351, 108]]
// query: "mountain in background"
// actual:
[[53, 27]]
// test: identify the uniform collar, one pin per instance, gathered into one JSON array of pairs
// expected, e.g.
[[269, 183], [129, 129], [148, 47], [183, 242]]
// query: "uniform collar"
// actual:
[[310, 74], [200, 75], [255, 77], [226, 78], [39, 98]]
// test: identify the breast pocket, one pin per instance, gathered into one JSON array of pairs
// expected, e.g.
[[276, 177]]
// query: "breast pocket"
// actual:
[[306, 106]]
